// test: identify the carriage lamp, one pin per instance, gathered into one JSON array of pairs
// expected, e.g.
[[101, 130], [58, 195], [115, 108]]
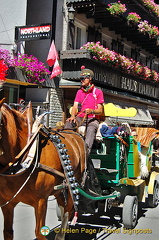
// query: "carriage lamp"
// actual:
[[71, 13]]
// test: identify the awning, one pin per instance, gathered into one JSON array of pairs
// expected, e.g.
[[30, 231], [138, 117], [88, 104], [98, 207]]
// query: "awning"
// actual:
[[17, 82], [143, 117]]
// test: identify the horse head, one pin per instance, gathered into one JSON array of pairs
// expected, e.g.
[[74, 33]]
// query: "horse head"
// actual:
[[59, 155], [14, 131]]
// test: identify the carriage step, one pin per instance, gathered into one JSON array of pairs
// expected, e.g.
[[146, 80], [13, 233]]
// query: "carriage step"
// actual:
[[107, 170], [97, 167]]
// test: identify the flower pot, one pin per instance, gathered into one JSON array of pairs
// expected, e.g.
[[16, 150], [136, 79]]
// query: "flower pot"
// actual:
[[20, 75]]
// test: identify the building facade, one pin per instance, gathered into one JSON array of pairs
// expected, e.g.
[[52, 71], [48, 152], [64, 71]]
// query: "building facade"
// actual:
[[78, 22], [94, 23]]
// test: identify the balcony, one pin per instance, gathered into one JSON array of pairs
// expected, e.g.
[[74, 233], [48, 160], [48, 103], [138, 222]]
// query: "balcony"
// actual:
[[97, 10], [105, 75]]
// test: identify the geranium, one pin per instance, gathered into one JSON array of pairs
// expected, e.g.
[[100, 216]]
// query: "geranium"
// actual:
[[137, 68], [144, 27], [146, 72], [123, 62], [133, 17], [130, 66], [152, 6], [116, 8], [3, 70], [154, 31], [32, 68], [98, 52]]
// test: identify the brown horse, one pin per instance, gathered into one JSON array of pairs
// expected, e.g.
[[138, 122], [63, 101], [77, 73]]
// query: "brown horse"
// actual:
[[14, 131]]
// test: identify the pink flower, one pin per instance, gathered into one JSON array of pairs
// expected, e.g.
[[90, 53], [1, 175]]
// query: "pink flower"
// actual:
[[130, 66]]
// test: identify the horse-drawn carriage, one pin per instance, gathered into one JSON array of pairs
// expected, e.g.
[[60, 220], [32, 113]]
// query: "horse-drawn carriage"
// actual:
[[126, 167], [36, 162], [118, 168]]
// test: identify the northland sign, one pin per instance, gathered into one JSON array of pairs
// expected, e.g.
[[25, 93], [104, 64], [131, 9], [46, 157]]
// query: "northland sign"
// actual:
[[33, 32]]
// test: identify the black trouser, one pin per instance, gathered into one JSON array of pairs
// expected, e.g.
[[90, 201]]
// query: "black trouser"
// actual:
[[91, 124]]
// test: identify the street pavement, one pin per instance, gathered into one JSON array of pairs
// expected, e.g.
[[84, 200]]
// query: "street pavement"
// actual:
[[90, 227], [24, 220]]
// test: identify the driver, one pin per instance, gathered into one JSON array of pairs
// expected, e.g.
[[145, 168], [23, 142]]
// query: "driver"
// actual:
[[90, 99]]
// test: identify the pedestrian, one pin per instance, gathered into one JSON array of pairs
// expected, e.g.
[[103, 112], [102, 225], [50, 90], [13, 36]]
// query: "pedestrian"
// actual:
[[87, 107]]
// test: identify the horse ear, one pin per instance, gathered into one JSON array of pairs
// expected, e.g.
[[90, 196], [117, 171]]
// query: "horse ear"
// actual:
[[2, 101], [28, 113]]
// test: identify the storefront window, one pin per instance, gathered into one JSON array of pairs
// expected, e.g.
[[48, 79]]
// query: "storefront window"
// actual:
[[10, 93]]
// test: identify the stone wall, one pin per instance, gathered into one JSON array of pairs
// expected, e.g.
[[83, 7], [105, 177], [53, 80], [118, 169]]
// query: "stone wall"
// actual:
[[56, 105]]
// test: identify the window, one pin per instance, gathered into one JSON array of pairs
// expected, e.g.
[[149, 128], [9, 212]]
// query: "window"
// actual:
[[114, 45], [80, 35], [148, 62], [118, 47], [78, 39], [104, 43], [135, 54]]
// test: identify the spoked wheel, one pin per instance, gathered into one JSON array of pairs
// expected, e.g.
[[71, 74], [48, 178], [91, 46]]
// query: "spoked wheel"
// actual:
[[154, 198], [130, 211]]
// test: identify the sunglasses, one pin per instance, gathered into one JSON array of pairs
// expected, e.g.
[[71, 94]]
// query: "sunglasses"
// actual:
[[82, 78]]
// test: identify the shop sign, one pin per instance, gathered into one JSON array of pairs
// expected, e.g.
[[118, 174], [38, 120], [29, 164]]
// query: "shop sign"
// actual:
[[113, 78], [139, 87], [33, 32]]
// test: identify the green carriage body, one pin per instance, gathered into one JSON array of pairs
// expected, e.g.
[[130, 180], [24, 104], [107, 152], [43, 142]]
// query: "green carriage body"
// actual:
[[118, 166]]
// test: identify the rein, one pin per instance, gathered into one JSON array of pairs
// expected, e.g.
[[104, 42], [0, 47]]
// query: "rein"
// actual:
[[54, 137], [22, 152], [34, 167], [83, 119]]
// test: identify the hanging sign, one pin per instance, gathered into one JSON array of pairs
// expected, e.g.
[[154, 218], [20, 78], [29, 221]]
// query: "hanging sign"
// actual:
[[33, 32]]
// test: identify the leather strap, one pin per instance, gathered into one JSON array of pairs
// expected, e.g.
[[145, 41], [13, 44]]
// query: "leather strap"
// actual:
[[50, 169], [22, 152]]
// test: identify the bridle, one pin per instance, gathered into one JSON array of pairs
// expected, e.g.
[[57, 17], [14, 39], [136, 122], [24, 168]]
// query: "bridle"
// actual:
[[0, 124], [1, 150]]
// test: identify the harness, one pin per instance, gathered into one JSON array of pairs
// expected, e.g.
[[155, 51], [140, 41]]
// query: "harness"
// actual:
[[69, 182], [16, 167]]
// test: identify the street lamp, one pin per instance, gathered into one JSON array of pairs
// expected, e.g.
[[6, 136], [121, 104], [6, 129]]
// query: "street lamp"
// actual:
[[71, 13]]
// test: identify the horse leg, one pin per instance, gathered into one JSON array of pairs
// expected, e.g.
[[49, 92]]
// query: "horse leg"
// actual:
[[65, 215], [8, 213], [64, 225], [40, 214]]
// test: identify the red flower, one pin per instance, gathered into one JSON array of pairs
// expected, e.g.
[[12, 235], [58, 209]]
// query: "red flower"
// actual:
[[82, 67], [3, 70]]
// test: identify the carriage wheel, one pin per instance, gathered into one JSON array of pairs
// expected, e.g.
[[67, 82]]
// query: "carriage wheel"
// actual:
[[154, 198], [130, 211]]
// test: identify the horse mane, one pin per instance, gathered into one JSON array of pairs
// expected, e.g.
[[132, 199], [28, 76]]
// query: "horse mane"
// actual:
[[9, 124], [15, 128]]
